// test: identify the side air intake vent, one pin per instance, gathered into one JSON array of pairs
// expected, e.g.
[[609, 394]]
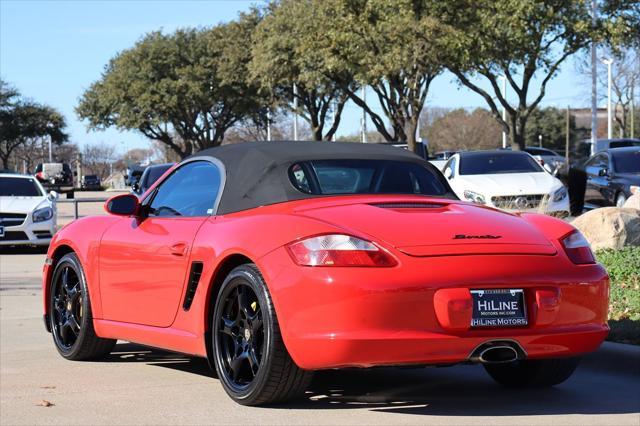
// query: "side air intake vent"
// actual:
[[194, 279], [409, 205]]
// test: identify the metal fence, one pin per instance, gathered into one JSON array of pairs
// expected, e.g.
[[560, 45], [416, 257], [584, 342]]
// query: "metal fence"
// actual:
[[76, 201]]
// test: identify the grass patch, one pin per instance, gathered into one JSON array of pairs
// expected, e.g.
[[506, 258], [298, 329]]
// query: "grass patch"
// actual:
[[624, 305]]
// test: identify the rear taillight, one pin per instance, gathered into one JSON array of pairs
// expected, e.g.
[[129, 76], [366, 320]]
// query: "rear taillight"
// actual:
[[578, 248], [338, 250]]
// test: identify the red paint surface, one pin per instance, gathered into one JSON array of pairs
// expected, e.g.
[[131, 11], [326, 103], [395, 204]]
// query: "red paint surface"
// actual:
[[412, 313]]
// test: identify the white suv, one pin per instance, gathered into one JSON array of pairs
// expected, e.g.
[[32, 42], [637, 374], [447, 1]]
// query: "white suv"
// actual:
[[27, 212]]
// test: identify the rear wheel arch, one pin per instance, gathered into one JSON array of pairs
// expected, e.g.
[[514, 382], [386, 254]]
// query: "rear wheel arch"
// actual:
[[227, 265]]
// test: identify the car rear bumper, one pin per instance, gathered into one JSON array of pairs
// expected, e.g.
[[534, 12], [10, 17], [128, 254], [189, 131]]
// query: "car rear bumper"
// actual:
[[364, 317]]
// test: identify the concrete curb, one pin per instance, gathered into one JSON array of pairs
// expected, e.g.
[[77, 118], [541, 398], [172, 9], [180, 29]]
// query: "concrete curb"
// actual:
[[615, 358]]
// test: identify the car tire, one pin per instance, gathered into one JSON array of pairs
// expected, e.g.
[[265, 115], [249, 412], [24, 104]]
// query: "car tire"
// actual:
[[249, 354], [533, 373], [70, 318], [70, 195], [620, 200]]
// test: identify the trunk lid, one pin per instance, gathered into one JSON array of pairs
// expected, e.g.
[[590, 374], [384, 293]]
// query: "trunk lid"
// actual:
[[437, 227]]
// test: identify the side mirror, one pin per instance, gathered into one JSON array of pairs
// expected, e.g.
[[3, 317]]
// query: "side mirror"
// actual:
[[53, 195], [448, 173], [122, 205], [603, 172]]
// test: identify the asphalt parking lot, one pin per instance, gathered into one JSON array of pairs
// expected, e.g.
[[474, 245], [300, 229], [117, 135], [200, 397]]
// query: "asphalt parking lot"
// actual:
[[140, 385]]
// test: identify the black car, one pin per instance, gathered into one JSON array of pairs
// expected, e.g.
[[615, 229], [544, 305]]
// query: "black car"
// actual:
[[134, 172], [90, 183], [611, 175], [150, 175], [56, 177]]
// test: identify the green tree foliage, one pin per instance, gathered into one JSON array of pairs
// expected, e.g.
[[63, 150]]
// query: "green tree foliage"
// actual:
[[523, 40], [22, 121], [551, 124], [391, 46], [183, 89], [283, 56]]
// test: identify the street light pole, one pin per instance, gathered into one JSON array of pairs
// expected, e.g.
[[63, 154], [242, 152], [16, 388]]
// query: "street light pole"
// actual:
[[295, 112], [608, 62], [269, 126], [594, 80], [364, 115], [504, 109]]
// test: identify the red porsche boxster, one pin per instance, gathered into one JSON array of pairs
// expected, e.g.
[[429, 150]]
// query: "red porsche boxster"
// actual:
[[275, 259]]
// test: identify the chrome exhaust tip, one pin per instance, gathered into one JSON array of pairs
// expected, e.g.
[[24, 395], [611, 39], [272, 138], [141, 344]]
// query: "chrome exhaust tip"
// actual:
[[498, 355], [497, 352]]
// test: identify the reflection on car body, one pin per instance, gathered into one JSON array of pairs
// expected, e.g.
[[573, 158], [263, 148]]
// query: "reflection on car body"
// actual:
[[277, 259]]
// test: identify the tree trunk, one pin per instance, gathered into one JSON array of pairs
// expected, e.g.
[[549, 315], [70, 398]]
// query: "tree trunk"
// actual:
[[411, 135], [5, 161]]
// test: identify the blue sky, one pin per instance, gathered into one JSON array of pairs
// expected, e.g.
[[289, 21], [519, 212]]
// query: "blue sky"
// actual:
[[53, 50]]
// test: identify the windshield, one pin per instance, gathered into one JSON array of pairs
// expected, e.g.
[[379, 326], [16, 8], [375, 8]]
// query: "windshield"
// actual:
[[626, 162], [497, 163], [326, 177], [19, 187]]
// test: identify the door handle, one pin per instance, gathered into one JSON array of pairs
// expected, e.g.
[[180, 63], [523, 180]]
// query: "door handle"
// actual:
[[178, 249]]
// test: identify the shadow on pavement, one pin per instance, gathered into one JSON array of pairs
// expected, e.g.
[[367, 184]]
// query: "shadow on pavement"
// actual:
[[12, 250], [463, 390], [130, 352]]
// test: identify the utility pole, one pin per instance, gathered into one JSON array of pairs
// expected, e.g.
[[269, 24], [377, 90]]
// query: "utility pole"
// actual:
[[608, 62], [567, 141], [633, 111], [364, 115], [269, 126], [50, 152], [295, 112], [504, 110], [594, 80], [78, 170]]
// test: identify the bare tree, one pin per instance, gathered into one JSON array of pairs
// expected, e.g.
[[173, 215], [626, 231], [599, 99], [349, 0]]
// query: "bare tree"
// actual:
[[625, 82], [463, 130], [98, 159]]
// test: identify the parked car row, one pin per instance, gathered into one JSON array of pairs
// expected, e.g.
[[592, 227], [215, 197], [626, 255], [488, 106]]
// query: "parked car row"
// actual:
[[27, 211], [607, 178], [508, 180]]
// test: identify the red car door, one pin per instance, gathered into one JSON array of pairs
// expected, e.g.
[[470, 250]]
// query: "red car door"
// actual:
[[144, 261]]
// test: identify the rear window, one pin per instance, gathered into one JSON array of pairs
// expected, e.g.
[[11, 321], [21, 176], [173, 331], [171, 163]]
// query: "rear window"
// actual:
[[498, 163], [540, 151], [626, 162], [19, 187], [333, 177], [624, 143]]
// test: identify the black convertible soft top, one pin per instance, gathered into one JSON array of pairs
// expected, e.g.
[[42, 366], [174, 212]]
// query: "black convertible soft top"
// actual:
[[257, 172]]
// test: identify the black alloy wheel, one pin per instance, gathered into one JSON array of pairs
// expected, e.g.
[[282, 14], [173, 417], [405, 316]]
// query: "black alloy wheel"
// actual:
[[70, 317], [250, 358], [241, 335], [67, 307]]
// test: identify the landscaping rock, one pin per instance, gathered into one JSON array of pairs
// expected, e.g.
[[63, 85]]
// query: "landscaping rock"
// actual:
[[633, 202], [610, 227]]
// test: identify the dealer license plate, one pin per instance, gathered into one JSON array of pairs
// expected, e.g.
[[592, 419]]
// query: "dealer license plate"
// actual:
[[498, 308]]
